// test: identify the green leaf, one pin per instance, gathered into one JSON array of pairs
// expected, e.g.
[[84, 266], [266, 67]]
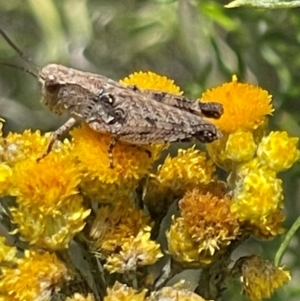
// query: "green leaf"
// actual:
[[217, 14], [273, 4]]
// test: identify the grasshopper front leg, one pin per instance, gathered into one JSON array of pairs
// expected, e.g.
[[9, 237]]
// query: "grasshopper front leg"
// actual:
[[57, 134]]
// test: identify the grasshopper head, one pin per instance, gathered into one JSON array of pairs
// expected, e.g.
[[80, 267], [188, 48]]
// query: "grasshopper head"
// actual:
[[53, 79]]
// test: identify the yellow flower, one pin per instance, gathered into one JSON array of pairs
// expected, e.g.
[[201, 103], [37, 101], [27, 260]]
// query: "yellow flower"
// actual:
[[189, 169], [115, 223], [278, 151], [151, 81], [5, 178], [209, 218], [122, 292], [131, 163], [217, 153], [108, 193], [260, 278], [49, 208], [184, 249], [7, 253], [34, 278], [206, 224], [245, 106], [24, 146], [240, 146], [135, 252], [80, 297], [48, 181], [258, 194], [270, 227], [232, 148]]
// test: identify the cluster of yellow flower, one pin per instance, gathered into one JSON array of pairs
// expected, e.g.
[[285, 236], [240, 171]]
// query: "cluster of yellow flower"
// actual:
[[72, 193]]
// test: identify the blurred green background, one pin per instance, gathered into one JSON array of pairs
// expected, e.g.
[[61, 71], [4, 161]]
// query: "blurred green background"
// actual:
[[199, 44]]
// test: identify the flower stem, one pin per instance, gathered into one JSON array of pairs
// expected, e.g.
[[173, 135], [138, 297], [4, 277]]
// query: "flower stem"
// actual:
[[286, 241]]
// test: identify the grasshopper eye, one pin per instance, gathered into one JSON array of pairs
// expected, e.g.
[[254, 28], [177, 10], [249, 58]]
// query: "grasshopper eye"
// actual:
[[52, 88], [108, 98]]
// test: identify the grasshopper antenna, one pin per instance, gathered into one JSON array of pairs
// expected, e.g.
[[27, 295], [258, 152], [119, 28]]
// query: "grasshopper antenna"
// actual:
[[21, 54], [19, 68]]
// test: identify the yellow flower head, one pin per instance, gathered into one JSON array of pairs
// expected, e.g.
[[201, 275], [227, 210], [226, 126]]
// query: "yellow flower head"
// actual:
[[5, 178], [260, 278], [240, 146], [189, 169], [245, 106], [278, 151], [101, 192], [17, 147], [34, 278], [49, 209], [204, 230], [131, 162], [135, 252], [258, 194], [7, 253], [47, 182], [270, 226], [184, 250], [151, 81], [209, 218], [122, 292], [232, 148], [115, 223]]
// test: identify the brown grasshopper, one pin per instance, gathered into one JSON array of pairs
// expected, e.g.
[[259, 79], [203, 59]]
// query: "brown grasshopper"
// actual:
[[127, 113]]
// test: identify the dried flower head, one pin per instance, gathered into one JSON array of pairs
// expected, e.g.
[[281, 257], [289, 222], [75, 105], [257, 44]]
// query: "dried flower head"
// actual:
[[260, 278], [113, 224], [135, 252], [122, 292]]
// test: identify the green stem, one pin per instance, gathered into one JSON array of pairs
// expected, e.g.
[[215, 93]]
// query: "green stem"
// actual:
[[286, 241]]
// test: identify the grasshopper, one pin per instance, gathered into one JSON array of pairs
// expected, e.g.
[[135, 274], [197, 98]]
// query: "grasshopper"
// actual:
[[135, 116]]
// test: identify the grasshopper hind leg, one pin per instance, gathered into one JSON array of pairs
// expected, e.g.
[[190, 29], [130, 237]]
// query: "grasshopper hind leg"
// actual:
[[111, 147]]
